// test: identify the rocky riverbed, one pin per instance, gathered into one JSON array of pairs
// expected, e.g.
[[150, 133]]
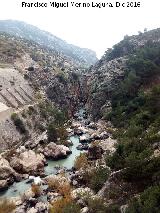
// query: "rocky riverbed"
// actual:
[[48, 161]]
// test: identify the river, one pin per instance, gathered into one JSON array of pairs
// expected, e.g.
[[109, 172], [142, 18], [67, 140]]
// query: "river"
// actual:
[[18, 188]]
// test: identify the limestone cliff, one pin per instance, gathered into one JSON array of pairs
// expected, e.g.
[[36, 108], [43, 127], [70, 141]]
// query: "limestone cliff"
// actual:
[[30, 73], [105, 75]]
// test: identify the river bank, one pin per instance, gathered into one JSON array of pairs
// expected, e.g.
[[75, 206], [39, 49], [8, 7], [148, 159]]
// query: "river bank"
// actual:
[[82, 133]]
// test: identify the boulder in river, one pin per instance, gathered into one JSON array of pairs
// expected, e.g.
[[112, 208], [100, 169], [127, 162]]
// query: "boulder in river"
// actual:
[[78, 131], [82, 147], [56, 152], [84, 139], [29, 162], [69, 143]]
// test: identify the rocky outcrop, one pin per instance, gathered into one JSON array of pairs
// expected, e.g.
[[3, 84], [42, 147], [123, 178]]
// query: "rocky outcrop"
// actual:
[[55, 152], [95, 152], [28, 162], [103, 78], [7, 173], [101, 83]]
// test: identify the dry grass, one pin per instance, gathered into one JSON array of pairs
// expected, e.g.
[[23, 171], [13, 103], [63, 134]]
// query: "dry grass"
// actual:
[[63, 188], [6, 206], [81, 161], [36, 189]]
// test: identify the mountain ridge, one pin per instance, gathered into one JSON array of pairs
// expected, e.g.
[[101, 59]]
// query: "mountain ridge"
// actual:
[[30, 32]]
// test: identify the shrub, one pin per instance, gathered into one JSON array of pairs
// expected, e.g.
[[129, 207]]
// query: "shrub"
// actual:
[[64, 205], [72, 207], [53, 183], [96, 205], [40, 126], [113, 209], [75, 76], [6, 206], [52, 132], [63, 188], [62, 133], [98, 178], [30, 68], [18, 123], [47, 109], [62, 77], [147, 202], [60, 118], [36, 189], [31, 110], [81, 161]]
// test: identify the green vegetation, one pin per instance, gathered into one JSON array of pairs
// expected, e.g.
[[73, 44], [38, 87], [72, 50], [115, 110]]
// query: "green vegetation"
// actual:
[[62, 77], [148, 202], [47, 110], [122, 48], [56, 120], [19, 123], [96, 205], [94, 177], [98, 177], [72, 207], [136, 114], [65, 204], [52, 132]]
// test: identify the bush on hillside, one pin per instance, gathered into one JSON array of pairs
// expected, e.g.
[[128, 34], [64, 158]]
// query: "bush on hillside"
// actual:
[[147, 202], [18, 123]]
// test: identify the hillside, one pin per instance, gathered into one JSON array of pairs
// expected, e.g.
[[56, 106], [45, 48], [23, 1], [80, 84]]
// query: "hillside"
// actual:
[[105, 75], [124, 90], [92, 136], [79, 55], [30, 73]]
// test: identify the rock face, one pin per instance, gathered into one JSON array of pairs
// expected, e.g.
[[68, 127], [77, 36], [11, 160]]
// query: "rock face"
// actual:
[[95, 152], [101, 81], [55, 151], [29, 162], [7, 174], [103, 77]]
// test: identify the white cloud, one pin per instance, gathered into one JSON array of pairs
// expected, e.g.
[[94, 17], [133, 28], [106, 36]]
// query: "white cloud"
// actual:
[[92, 28]]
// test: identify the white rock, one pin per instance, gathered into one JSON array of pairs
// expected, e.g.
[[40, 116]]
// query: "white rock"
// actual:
[[28, 162], [32, 210], [85, 210]]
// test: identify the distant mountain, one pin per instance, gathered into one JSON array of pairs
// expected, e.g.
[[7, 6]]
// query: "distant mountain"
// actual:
[[21, 29]]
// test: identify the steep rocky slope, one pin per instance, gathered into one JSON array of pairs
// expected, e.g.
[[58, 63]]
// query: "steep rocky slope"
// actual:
[[30, 73], [105, 75], [76, 54], [119, 172], [124, 89]]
